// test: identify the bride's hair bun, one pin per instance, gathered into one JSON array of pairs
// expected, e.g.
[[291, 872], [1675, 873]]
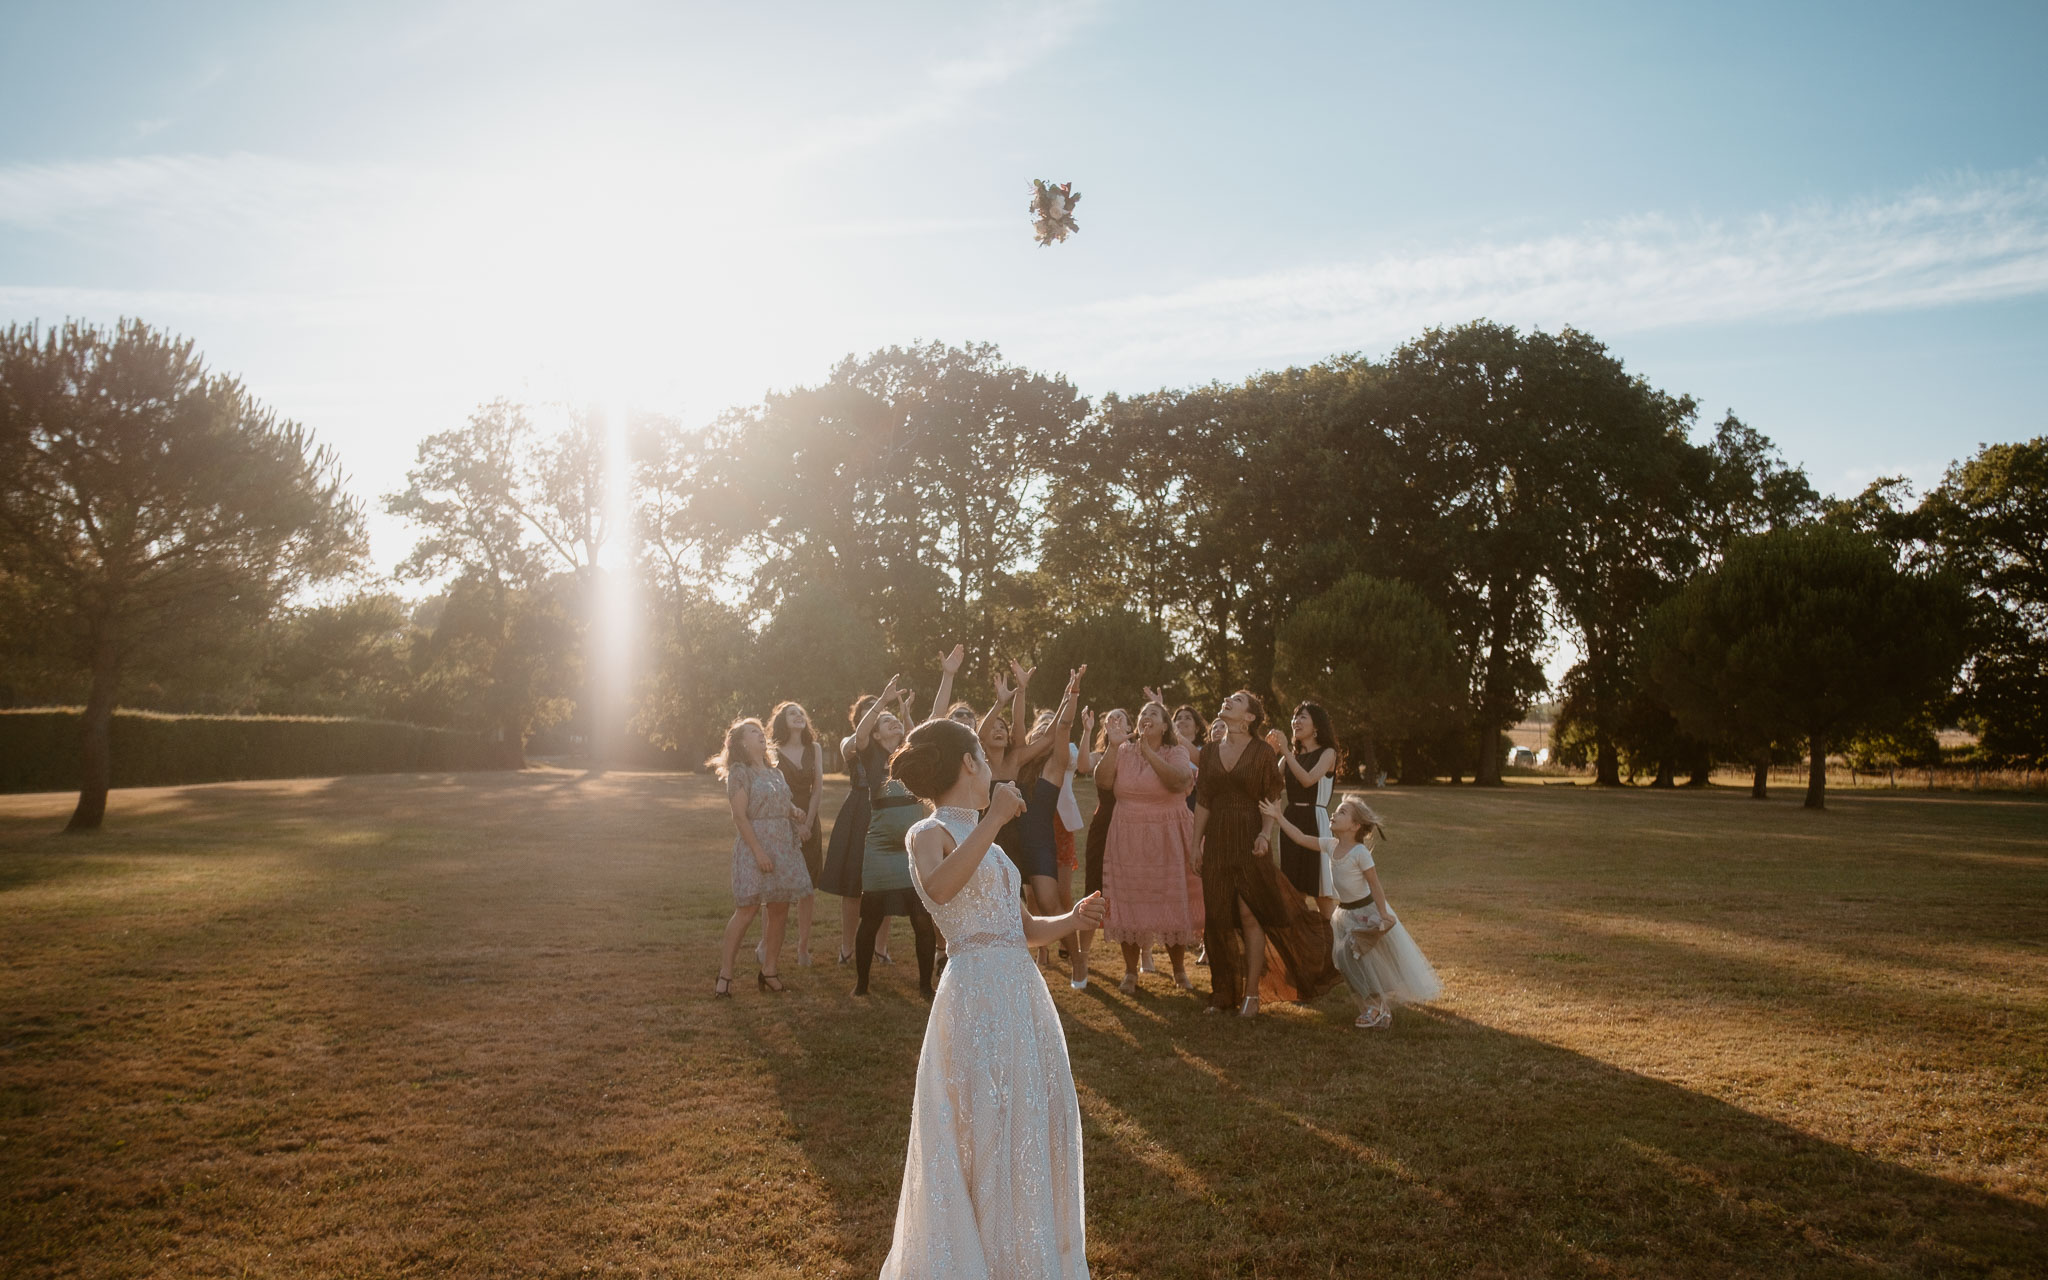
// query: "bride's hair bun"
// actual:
[[928, 762]]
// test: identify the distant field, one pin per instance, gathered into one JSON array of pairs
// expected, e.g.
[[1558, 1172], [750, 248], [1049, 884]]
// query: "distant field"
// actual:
[[460, 1026]]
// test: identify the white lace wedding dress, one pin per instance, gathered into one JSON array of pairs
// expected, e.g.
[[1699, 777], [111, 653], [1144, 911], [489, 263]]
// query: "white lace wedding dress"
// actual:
[[992, 1180]]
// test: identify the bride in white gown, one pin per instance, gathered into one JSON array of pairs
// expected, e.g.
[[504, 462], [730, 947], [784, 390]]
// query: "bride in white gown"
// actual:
[[992, 1182]]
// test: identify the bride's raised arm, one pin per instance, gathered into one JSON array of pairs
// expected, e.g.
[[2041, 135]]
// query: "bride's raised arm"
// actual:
[[944, 872]]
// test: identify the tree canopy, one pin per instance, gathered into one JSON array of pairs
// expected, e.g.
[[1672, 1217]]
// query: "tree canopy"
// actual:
[[149, 506]]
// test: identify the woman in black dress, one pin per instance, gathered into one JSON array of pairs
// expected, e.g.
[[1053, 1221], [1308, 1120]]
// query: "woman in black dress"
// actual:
[[1263, 940], [1116, 726], [802, 762], [1308, 767], [877, 732]]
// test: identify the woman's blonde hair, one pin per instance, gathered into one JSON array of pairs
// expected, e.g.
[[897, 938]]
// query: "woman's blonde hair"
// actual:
[[734, 756], [1368, 821]]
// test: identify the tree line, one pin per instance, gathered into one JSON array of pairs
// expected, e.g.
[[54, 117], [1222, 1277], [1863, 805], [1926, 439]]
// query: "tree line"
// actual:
[[1402, 539]]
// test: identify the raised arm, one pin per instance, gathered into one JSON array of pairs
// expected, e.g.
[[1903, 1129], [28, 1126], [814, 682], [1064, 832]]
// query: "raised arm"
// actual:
[[866, 726], [1113, 739], [949, 666], [1325, 761], [944, 872], [995, 711], [1062, 727], [1276, 811], [1020, 705]]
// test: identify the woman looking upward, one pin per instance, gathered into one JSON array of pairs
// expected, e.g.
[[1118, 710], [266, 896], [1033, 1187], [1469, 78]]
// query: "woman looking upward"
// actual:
[[1308, 767], [1262, 938]]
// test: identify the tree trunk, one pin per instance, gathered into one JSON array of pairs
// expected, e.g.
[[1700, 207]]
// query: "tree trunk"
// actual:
[[1607, 761], [1817, 774], [96, 772], [1364, 758], [1702, 771], [1667, 774], [1761, 775]]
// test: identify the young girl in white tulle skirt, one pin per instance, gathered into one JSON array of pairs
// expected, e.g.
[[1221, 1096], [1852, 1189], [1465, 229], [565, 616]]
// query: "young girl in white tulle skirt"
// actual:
[[1371, 947]]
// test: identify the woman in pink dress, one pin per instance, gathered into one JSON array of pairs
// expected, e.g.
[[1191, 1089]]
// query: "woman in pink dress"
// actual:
[[1148, 864]]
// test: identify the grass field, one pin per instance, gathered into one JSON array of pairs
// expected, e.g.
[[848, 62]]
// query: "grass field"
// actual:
[[460, 1026]]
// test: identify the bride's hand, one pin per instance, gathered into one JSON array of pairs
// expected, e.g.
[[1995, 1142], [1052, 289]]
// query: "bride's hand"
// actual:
[[1090, 910], [1005, 802]]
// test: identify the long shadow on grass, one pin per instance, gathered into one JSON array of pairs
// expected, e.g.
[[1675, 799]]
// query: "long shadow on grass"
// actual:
[[1451, 1147], [1294, 1145]]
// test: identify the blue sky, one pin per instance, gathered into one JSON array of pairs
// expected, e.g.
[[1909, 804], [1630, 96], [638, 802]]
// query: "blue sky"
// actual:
[[1832, 219]]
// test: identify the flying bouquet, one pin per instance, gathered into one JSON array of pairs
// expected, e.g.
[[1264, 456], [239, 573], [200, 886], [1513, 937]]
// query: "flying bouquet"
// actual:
[[1052, 211]]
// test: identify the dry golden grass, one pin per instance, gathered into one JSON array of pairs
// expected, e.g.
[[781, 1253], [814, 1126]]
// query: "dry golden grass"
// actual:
[[459, 1026]]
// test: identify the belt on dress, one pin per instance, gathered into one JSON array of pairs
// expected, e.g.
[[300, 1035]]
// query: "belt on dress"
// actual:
[[1366, 901]]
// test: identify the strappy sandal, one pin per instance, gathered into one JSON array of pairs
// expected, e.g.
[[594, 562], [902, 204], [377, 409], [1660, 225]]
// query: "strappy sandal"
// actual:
[[1250, 1007], [762, 980], [1129, 985], [722, 989]]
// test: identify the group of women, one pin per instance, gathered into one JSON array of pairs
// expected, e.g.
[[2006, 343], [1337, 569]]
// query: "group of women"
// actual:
[[1218, 843], [1222, 839]]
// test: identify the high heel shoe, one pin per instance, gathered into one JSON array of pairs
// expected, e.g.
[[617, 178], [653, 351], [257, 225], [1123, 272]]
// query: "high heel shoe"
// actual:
[[1129, 985], [722, 988], [1181, 980], [803, 957], [1250, 1007], [764, 981]]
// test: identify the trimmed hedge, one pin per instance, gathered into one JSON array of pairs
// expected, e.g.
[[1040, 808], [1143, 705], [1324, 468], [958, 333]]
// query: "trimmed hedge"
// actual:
[[39, 748]]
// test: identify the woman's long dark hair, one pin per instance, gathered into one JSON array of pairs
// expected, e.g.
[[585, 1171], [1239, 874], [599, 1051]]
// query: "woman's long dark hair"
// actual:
[[778, 728], [1258, 709], [1325, 735]]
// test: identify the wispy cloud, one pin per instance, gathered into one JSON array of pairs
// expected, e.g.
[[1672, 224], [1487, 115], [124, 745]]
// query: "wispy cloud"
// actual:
[[1017, 40], [1963, 241], [235, 188]]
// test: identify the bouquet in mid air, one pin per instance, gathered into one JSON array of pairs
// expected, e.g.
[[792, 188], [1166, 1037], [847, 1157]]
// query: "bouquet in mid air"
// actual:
[[1052, 210]]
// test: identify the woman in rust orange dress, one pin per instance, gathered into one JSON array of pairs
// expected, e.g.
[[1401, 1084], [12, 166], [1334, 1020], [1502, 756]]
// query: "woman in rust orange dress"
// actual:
[[1263, 939]]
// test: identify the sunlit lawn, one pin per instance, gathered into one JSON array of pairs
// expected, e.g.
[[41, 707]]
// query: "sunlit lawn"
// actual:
[[461, 1026]]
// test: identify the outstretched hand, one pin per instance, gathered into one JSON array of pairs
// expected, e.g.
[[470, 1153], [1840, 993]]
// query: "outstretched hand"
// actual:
[[1274, 809], [1022, 672], [1090, 910], [1003, 689], [1074, 680], [1152, 695], [950, 664]]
